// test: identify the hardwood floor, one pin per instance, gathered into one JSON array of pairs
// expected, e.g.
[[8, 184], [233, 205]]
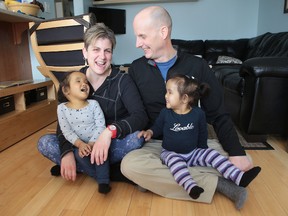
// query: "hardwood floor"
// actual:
[[27, 188]]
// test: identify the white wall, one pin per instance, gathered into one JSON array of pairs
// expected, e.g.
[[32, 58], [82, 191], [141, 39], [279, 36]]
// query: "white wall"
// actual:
[[272, 20], [50, 11], [202, 19], [81, 6]]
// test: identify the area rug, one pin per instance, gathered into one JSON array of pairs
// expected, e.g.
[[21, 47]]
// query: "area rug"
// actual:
[[244, 143]]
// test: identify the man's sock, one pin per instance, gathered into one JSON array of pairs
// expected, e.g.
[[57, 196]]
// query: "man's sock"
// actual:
[[249, 176], [195, 192], [234, 192]]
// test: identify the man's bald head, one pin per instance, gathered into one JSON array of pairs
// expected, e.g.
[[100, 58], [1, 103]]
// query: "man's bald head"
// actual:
[[155, 16]]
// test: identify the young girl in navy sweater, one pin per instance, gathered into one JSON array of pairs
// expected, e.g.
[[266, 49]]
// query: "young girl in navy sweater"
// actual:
[[184, 129]]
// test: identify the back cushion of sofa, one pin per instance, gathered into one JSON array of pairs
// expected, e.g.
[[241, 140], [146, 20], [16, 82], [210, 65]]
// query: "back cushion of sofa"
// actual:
[[268, 44], [194, 47], [231, 48]]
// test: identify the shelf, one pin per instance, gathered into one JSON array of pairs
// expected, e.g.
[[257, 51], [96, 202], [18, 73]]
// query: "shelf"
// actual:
[[31, 108], [12, 17], [25, 123], [25, 87], [115, 2], [18, 22], [27, 117], [15, 63]]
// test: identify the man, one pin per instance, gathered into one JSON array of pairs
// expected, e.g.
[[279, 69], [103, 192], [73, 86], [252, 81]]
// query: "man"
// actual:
[[152, 27]]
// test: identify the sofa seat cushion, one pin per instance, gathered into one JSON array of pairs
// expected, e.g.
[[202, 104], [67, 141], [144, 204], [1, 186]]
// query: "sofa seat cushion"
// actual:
[[228, 76]]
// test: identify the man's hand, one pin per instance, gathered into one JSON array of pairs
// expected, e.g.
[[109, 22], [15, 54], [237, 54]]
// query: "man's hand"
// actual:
[[68, 167], [242, 162], [100, 149]]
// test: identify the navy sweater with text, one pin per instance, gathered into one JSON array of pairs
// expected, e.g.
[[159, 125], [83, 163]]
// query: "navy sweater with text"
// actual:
[[182, 133]]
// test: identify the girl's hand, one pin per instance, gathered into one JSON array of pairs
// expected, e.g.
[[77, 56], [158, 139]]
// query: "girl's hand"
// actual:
[[84, 149], [146, 134], [100, 149], [91, 144]]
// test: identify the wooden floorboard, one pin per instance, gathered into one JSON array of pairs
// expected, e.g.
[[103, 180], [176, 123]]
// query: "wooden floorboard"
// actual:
[[27, 188]]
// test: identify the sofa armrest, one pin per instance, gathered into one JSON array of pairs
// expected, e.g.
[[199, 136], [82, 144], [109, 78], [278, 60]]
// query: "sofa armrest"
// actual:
[[265, 67], [264, 107]]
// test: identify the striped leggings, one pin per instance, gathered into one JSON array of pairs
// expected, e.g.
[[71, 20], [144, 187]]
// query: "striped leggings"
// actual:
[[178, 165]]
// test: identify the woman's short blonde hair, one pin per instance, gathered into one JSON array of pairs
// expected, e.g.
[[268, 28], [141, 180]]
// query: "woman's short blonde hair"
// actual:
[[99, 30]]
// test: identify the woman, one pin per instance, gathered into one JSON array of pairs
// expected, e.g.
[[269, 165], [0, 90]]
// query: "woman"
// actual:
[[121, 104]]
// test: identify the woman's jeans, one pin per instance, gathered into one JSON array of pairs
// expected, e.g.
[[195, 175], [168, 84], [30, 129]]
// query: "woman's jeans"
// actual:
[[48, 146]]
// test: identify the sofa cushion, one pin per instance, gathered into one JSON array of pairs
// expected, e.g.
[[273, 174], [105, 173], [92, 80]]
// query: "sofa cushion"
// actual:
[[195, 47], [268, 44], [232, 48]]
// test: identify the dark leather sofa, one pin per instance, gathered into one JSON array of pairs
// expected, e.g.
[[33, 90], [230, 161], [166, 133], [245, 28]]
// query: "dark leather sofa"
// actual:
[[254, 76]]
